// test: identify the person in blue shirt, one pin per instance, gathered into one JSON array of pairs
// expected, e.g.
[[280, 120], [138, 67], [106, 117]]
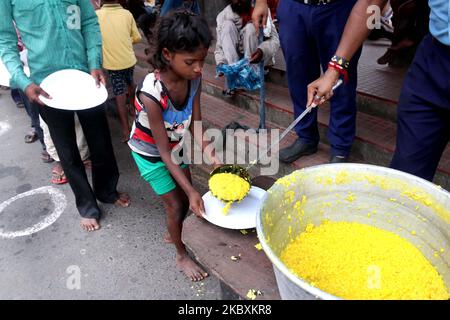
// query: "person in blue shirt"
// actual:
[[423, 125]]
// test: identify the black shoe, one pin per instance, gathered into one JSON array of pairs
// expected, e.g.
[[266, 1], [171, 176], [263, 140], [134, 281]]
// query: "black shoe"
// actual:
[[229, 93], [296, 150], [338, 159]]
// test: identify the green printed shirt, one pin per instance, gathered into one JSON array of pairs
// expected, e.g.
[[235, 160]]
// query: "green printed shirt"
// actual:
[[59, 34]]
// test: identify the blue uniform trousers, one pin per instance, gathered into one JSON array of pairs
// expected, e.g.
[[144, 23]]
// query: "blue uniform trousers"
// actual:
[[309, 38], [423, 128]]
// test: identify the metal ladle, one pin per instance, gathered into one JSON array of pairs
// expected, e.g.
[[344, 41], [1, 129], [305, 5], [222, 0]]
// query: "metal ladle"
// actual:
[[243, 172]]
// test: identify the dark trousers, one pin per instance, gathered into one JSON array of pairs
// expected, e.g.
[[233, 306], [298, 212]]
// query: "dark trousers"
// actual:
[[16, 96], [33, 113], [105, 173], [309, 38], [423, 125]]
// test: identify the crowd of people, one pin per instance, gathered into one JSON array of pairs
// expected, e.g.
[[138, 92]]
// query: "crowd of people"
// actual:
[[314, 35]]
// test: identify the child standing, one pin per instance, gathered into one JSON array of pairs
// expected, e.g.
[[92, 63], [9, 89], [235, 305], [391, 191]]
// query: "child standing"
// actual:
[[119, 33], [167, 102]]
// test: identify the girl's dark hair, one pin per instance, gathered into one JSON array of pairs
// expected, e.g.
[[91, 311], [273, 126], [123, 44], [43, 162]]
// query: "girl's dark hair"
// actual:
[[180, 31]]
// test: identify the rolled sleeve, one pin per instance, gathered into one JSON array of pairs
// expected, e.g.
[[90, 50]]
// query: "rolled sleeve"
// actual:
[[91, 34]]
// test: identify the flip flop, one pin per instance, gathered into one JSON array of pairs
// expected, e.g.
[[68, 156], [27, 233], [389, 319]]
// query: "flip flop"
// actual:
[[58, 177]]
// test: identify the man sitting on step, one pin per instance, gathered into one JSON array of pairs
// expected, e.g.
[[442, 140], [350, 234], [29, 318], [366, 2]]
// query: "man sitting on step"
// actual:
[[236, 36]]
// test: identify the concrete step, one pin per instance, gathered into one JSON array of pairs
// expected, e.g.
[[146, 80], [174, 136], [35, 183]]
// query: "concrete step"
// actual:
[[378, 86]]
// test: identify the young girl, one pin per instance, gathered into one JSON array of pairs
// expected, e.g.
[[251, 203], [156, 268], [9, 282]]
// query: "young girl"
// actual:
[[167, 101]]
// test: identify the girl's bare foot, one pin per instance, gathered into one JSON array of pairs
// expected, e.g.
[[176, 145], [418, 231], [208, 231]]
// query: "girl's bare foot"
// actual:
[[89, 224], [123, 200], [190, 268], [167, 238]]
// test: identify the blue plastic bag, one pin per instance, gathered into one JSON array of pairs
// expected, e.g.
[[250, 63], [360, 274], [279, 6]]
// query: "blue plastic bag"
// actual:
[[240, 75]]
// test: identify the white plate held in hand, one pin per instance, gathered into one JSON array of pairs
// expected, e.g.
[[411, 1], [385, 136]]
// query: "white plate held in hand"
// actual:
[[242, 215], [72, 90]]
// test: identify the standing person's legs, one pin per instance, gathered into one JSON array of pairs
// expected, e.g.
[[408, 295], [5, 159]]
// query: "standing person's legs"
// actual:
[[17, 98], [105, 173], [176, 204], [302, 67], [61, 125], [33, 112], [423, 129], [58, 175], [50, 147], [131, 96], [119, 81], [81, 140], [329, 24]]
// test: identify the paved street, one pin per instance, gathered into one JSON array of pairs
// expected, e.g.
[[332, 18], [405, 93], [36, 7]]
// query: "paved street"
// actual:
[[126, 259]]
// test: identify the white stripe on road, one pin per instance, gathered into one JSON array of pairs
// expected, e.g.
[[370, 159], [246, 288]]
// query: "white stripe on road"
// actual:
[[59, 201]]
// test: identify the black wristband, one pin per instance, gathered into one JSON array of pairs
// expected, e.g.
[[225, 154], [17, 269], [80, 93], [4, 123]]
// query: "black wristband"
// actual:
[[341, 62]]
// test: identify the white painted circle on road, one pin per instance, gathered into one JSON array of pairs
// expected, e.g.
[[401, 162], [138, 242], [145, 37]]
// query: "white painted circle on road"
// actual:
[[4, 127], [58, 199]]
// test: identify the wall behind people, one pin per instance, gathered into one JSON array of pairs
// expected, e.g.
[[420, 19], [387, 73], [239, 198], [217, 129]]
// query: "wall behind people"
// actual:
[[210, 9]]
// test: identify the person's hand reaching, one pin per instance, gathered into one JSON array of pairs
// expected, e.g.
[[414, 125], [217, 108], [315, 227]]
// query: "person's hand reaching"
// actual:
[[196, 204], [33, 91], [260, 14]]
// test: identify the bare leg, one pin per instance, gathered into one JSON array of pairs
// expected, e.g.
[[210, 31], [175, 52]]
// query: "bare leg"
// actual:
[[123, 116], [176, 209], [131, 94]]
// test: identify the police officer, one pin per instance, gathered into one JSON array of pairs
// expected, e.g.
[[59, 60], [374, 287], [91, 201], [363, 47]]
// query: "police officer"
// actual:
[[310, 31], [423, 125]]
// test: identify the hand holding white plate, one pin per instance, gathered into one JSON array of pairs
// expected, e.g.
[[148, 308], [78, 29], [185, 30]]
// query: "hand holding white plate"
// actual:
[[242, 215], [72, 89]]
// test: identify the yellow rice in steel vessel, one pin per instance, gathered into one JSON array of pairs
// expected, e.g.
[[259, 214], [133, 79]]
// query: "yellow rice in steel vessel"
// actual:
[[356, 261]]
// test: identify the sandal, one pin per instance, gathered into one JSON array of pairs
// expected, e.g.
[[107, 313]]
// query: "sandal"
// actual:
[[229, 93], [31, 137], [46, 158], [20, 105], [58, 175]]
